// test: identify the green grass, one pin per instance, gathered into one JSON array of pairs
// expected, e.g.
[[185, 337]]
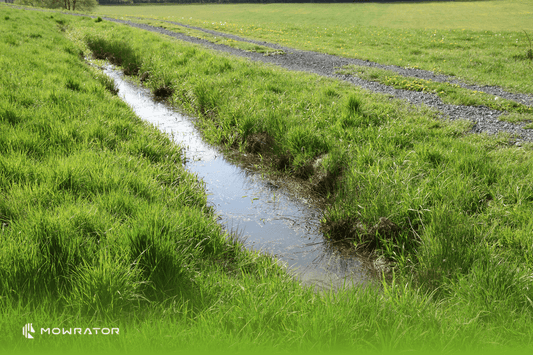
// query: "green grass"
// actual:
[[449, 93], [518, 117], [95, 202], [98, 216], [478, 42]]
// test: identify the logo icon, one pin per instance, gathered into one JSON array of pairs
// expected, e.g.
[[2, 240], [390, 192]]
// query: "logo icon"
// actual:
[[27, 329]]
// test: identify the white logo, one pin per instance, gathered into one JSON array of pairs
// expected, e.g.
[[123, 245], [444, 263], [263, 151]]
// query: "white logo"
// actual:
[[27, 329]]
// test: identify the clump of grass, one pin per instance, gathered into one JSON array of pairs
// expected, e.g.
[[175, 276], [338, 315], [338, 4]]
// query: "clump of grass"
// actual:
[[98, 19], [354, 104], [120, 54], [73, 84]]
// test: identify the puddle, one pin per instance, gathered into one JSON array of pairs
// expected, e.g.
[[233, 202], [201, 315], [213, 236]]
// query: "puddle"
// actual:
[[271, 218]]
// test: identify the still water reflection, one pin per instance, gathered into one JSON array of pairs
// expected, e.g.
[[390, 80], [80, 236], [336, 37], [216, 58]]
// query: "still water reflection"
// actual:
[[272, 219]]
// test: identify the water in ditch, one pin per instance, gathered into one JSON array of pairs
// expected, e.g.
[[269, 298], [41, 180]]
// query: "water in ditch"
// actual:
[[271, 218]]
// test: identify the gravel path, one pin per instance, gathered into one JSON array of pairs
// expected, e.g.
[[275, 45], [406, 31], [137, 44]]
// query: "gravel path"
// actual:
[[414, 73], [485, 119]]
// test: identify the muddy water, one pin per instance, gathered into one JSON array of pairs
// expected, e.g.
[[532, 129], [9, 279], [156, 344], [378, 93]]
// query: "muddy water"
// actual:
[[271, 218]]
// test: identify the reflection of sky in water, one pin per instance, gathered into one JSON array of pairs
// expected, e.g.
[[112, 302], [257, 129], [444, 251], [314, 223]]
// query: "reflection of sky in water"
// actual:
[[272, 219]]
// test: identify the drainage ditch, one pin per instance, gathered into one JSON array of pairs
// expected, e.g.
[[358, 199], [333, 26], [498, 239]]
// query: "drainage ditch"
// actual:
[[271, 218]]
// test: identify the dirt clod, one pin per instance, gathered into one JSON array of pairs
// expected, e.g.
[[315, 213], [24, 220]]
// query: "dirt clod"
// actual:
[[259, 143], [304, 171], [144, 76], [284, 161], [163, 92]]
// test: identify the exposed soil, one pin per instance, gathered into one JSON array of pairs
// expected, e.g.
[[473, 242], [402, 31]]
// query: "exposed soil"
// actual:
[[365, 238], [163, 91]]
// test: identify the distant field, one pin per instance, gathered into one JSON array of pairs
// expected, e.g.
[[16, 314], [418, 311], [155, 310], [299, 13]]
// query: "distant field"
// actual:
[[509, 15], [479, 42]]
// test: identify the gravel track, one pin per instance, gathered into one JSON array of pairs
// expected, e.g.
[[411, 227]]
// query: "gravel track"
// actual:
[[408, 72], [485, 119]]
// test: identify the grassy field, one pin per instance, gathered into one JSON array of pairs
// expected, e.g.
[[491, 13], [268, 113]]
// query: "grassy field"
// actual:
[[479, 42], [510, 15], [101, 226]]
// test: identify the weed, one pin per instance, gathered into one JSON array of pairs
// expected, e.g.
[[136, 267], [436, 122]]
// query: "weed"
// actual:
[[98, 19]]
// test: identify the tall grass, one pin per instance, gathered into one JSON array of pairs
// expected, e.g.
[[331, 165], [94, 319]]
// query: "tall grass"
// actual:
[[98, 216]]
